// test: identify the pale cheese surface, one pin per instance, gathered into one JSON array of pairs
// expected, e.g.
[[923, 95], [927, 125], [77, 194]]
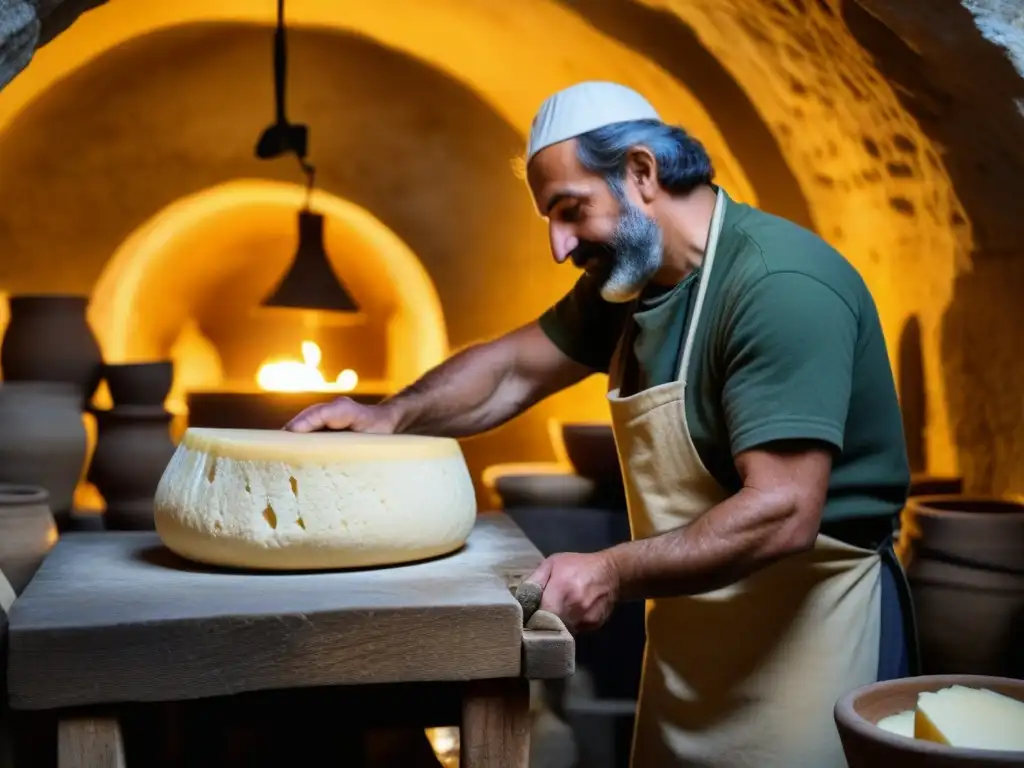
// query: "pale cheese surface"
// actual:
[[276, 500], [902, 723], [970, 717]]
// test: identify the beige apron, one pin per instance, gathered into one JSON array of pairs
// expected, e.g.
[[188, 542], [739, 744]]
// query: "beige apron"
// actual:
[[746, 676]]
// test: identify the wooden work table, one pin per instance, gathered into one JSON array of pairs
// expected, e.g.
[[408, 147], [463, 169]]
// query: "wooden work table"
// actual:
[[115, 618]]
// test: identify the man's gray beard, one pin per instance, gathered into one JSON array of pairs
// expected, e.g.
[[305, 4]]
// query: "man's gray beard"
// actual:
[[637, 245]]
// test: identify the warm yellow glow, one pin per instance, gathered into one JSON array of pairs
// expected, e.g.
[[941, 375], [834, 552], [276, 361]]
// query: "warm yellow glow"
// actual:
[[347, 380], [208, 222], [472, 42], [311, 354], [197, 365], [283, 374], [445, 743]]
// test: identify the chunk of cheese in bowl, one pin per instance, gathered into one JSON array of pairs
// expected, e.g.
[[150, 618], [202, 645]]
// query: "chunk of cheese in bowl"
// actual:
[[974, 718], [948, 720], [276, 500]]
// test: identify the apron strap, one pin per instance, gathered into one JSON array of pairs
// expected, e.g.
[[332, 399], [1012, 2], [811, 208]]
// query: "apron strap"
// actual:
[[7, 595], [717, 217], [621, 375]]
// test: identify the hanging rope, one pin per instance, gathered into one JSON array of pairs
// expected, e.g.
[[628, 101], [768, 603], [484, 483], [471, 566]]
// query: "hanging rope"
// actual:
[[310, 172], [284, 137]]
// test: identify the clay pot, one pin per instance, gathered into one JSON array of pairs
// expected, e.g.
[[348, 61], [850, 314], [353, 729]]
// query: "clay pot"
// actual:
[[923, 484], [27, 532], [964, 558], [546, 485], [49, 339], [139, 383], [43, 440], [868, 746], [133, 447], [590, 449]]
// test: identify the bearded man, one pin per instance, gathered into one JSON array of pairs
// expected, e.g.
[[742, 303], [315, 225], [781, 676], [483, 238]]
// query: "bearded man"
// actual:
[[757, 426]]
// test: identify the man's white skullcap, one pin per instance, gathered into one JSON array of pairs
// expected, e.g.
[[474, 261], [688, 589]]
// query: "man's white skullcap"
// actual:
[[583, 107]]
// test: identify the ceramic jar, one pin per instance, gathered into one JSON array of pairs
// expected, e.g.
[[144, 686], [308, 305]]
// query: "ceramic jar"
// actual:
[[139, 383], [549, 485], [964, 558], [924, 484], [589, 448], [133, 448], [49, 339], [43, 440], [27, 532], [867, 746]]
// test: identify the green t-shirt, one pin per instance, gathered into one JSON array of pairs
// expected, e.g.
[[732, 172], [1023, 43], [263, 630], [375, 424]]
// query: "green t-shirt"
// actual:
[[789, 347]]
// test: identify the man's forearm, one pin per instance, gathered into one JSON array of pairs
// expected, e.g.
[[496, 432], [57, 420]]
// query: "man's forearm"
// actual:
[[472, 391], [737, 537]]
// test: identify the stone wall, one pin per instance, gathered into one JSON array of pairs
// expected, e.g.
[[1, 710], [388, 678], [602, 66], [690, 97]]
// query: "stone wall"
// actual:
[[179, 111], [172, 112], [902, 122], [957, 70], [892, 127]]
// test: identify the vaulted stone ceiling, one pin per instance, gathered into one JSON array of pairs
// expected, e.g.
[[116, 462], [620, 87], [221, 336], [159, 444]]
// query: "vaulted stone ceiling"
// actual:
[[895, 128]]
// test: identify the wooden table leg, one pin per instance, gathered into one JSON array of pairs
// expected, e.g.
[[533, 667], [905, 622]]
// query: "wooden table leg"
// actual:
[[495, 730], [89, 742]]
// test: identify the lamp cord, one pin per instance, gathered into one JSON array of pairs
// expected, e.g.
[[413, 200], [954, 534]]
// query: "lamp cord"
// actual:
[[310, 170], [280, 80], [280, 64]]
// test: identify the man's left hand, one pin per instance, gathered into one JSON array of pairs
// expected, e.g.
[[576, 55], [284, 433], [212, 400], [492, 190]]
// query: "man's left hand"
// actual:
[[581, 589]]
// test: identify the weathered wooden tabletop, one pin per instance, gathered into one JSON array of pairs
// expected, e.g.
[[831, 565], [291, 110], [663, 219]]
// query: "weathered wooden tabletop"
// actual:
[[116, 617]]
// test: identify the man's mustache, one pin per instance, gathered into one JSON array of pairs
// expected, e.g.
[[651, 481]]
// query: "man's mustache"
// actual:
[[586, 251]]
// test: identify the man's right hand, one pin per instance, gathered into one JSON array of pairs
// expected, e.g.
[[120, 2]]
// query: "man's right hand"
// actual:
[[474, 390], [345, 413]]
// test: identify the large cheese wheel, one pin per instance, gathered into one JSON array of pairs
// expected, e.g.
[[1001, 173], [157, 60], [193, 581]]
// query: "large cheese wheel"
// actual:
[[279, 500]]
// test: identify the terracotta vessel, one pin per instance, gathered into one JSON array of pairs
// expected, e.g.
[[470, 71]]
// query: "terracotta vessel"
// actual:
[[868, 746], [589, 448], [27, 532], [965, 563], [924, 484], [139, 383], [43, 440], [547, 484], [49, 339], [133, 447]]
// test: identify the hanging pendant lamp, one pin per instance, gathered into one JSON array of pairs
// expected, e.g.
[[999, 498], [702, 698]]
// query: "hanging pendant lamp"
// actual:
[[310, 283]]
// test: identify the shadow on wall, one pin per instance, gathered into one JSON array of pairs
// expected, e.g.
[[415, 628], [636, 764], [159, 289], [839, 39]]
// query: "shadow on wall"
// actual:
[[913, 394], [966, 95], [983, 362]]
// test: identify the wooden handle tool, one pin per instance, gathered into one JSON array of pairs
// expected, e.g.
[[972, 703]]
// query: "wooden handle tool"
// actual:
[[529, 594], [549, 650]]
